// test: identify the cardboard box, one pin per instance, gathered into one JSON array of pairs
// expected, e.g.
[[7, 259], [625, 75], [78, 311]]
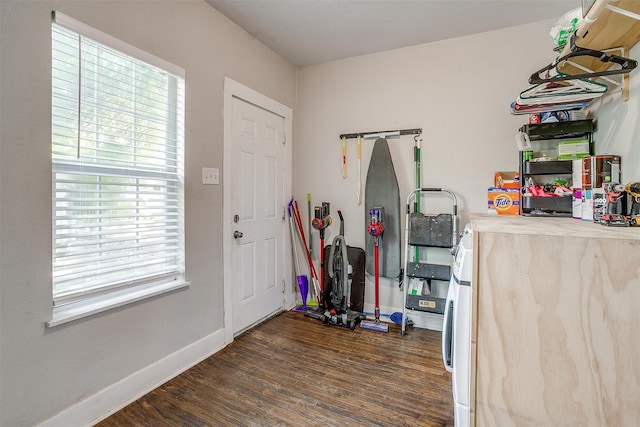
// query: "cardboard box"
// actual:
[[571, 150], [576, 175], [577, 203], [599, 170], [506, 180], [599, 203], [503, 201], [587, 204]]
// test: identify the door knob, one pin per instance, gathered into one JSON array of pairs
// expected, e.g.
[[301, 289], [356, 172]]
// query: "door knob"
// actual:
[[237, 234]]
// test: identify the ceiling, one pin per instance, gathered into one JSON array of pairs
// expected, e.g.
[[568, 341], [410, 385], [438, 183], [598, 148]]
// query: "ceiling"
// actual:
[[307, 32]]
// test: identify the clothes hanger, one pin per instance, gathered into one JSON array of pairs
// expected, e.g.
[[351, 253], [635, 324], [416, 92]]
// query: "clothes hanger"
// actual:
[[517, 108], [556, 91], [626, 65]]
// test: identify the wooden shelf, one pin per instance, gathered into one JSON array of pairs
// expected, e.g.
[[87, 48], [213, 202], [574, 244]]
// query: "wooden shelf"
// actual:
[[604, 29]]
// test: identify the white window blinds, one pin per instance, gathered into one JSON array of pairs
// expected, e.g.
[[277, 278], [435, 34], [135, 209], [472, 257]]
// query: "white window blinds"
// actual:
[[117, 164]]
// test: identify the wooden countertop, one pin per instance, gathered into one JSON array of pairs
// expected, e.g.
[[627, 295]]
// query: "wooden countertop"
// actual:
[[550, 226]]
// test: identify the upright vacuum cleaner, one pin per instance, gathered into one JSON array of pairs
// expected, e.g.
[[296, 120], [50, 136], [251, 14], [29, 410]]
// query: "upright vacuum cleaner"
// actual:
[[376, 229], [338, 312], [334, 303]]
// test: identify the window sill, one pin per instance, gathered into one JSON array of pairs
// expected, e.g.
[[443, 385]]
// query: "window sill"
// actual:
[[70, 312]]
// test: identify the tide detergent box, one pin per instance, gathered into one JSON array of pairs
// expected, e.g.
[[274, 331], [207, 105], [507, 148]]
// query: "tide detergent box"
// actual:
[[503, 201]]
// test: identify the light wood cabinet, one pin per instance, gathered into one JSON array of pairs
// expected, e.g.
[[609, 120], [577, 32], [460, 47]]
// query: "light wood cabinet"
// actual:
[[556, 323]]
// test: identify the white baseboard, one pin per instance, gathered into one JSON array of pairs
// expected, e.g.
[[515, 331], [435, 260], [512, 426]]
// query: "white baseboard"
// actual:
[[116, 396]]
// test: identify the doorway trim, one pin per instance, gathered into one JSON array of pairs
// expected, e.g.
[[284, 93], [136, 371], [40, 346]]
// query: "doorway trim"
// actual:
[[233, 89]]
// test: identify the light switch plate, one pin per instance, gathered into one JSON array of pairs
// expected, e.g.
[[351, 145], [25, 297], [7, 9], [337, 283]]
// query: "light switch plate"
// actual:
[[210, 176]]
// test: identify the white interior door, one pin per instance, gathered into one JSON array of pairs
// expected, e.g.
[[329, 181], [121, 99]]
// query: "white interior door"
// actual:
[[257, 210]]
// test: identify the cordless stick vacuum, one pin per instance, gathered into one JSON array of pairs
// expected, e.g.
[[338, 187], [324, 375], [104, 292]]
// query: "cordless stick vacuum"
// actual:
[[375, 229], [321, 220]]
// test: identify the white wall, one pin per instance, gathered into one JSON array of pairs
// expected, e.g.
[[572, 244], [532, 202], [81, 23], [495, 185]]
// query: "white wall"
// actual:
[[618, 125], [458, 91], [44, 371]]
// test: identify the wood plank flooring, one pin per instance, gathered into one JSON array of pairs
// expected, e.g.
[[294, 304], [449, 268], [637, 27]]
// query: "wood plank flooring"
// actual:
[[293, 371]]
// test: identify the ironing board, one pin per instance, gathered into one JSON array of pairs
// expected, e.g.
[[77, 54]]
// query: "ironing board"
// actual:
[[381, 190]]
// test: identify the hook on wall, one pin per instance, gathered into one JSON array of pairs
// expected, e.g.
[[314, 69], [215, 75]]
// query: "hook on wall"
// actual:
[[382, 133]]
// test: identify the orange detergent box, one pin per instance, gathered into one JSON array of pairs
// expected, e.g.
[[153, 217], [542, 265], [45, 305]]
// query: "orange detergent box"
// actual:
[[503, 201], [506, 180]]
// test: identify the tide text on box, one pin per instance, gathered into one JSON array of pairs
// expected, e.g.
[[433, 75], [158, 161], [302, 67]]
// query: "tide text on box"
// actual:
[[503, 201]]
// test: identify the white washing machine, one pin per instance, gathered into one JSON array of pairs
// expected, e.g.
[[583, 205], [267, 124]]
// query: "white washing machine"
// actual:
[[456, 331]]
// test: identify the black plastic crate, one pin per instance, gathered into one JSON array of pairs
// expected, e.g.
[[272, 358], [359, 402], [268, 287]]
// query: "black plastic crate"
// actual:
[[563, 167], [558, 129], [562, 206]]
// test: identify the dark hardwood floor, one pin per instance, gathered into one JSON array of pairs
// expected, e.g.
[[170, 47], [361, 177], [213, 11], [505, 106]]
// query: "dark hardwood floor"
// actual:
[[293, 371]]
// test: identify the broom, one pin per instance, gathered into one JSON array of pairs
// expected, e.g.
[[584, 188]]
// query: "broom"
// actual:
[[312, 269], [303, 280]]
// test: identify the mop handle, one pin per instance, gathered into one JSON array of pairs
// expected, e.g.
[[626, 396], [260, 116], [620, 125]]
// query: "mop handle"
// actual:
[[322, 260], [293, 241], [359, 185], [309, 224], [344, 157]]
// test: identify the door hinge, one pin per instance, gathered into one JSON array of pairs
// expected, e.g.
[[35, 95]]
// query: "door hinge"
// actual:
[[284, 213], [284, 138], [284, 287]]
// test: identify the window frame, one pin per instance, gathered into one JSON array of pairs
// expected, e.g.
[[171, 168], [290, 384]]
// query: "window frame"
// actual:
[[81, 305]]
